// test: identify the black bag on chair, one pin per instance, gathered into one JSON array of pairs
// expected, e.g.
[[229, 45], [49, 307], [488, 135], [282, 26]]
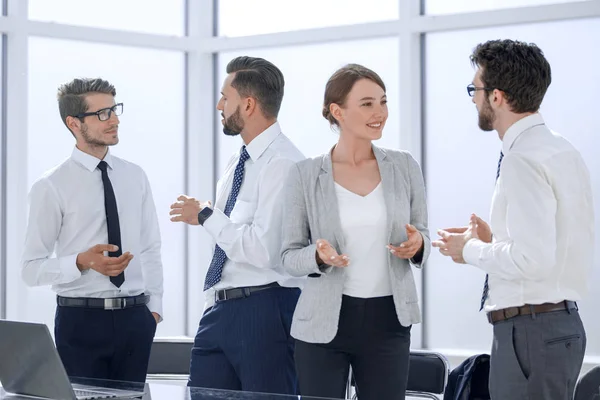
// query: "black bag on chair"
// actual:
[[588, 387], [469, 381]]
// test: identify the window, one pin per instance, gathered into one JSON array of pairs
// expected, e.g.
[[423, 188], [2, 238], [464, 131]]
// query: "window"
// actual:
[[242, 18], [150, 83], [148, 16], [461, 6], [2, 187]]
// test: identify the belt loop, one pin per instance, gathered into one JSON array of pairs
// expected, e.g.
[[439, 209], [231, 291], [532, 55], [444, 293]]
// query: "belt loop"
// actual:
[[567, 306], [532, 309], [246, 291]]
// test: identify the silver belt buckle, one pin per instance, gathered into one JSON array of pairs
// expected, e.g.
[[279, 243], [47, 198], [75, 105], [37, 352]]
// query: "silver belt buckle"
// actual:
[[113, 304], [218, 298]]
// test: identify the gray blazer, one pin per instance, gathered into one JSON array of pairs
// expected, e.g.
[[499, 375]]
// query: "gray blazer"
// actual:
[[311, 213]]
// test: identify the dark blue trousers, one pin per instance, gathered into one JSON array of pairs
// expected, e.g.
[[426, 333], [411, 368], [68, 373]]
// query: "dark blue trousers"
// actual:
[[245, 344], [105, 344]]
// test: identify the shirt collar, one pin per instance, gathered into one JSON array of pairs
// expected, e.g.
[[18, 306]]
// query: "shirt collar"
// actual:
[[262, 142], [519, 127], [88, 161]]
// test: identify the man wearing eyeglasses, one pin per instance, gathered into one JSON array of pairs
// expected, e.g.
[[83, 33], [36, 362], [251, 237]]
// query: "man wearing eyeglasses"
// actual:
[[537, 250], [93, 235]]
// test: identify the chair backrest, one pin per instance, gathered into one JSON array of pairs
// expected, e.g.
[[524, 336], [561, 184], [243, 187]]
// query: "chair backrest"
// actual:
[[428, 373], [170, 356], [588, 387]]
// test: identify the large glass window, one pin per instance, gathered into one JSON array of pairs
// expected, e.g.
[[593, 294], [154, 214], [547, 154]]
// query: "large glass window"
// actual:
[[461, 161], [2, 188], [148, 16], [243, 18], [306, 70], [150, 83], [461, 6]]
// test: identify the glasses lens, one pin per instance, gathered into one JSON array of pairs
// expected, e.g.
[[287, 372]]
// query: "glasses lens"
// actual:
[[118, 109], [104, 115]]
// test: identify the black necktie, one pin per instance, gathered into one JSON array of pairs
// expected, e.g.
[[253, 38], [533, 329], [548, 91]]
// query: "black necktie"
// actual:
[[112, 220], [486, 287]]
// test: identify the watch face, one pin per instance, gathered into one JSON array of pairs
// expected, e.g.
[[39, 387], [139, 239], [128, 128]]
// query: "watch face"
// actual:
[[204, 214]]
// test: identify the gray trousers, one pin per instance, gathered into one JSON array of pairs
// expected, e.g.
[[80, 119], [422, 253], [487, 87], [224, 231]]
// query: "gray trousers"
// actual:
[[537, 356]]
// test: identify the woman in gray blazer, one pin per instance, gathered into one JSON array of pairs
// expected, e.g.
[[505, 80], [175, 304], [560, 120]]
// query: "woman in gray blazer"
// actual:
[[356, 224]]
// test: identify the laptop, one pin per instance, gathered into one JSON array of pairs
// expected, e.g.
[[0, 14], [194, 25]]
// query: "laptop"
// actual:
[[30, 366]]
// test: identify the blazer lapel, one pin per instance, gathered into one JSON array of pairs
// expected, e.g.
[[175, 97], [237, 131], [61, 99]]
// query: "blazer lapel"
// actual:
[[330, 203], [388, 182]]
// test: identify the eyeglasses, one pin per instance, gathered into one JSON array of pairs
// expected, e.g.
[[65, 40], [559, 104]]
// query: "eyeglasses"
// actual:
[[471, 89], [105, 113]]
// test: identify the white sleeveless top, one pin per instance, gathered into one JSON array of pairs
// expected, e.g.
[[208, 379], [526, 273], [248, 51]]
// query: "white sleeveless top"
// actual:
[[364, 226]]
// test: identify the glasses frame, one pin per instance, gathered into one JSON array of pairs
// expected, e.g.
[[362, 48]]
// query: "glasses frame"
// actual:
[[471, 89], [110, 110]]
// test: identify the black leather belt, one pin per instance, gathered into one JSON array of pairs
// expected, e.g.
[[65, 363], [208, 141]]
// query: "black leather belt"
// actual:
[[115, 303], [529, 309], [238, 293]]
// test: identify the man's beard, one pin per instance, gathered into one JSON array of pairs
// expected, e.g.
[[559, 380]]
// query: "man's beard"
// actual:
[[93, 141], [487, 117], [233, 125]]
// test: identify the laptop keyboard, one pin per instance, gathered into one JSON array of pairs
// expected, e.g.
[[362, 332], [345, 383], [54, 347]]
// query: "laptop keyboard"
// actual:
[[89, 395]]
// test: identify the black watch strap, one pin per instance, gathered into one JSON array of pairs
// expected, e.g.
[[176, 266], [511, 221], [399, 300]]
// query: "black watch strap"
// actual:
[[204, 214]]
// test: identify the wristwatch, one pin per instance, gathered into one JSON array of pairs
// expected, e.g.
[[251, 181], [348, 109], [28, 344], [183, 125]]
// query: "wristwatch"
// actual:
[[204, 214]]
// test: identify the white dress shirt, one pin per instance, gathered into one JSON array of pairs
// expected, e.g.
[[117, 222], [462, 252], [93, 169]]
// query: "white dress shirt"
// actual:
[[542, 220], [364, 226], [251, 235], [67, 217]]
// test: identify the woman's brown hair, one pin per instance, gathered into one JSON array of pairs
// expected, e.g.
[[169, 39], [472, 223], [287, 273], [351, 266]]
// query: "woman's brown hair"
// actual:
[[341, 83]]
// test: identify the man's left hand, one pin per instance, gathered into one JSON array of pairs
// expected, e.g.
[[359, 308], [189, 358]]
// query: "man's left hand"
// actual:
[[156, 317], [452, 244], [186, 209]]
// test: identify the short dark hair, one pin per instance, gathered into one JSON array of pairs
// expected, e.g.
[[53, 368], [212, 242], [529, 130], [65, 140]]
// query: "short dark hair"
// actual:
[[341, 83], [72, 95], [519, 69], [258, 78]]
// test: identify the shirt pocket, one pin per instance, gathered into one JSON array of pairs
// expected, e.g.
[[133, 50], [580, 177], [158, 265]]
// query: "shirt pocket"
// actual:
[[243, 212]]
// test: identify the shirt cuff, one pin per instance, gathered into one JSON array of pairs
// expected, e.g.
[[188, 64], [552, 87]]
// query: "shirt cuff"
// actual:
[[472, 252], [68, 269], [216, 223], [155, 305]]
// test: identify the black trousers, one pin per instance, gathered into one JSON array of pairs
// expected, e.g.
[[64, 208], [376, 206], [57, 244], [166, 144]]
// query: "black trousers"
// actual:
[[105, 344], [371, 340]]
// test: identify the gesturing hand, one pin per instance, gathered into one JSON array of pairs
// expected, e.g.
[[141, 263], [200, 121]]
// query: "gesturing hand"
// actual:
[[327, 254], [452, 244], [186, 209], [408, 249], [95, 259]]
